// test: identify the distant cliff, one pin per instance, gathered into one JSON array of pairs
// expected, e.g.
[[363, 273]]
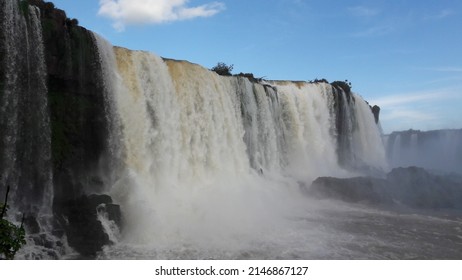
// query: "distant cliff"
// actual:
[[436, 149]]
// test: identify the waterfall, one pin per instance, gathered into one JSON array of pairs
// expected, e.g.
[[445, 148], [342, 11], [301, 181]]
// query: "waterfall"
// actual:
[[195, 160], [25, 145], [263, 127], [25, 153], [307, 125], [367, 140], [439, 150], [212, 161]]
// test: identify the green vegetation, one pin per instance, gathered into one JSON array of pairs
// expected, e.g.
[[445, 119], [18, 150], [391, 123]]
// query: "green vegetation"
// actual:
[[345, 86], [251, 77], [72, 22], [223, 69], [66, 123], [24, 7], [317, 81], [12, 237], [49, 6], [48, 25], [61, 145]]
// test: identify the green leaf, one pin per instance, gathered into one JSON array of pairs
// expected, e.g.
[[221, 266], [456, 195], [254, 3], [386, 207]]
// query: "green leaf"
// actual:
[[12, 238]]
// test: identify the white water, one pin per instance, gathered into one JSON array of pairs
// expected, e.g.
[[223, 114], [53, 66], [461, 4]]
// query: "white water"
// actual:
[[25, 145], [9, 100], [308, 125], [367, 140], [439, 150], [25, 132], [109, 226], [206, 166], [212, 163]]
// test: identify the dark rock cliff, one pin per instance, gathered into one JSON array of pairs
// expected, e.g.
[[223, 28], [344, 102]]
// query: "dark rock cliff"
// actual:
[[344, 124], [74, 130], [77, 104]]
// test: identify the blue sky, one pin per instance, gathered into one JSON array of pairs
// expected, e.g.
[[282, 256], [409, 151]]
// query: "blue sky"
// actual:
[[405, 56]]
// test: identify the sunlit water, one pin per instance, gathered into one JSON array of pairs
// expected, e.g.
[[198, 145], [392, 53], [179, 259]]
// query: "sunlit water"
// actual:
[[210, 167]]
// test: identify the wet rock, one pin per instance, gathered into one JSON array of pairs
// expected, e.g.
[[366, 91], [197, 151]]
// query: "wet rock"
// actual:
[[358, 189], [412, 187], [419, 188], [58, 232], [376, 111], [84, 231], [114, 213], [31, 225]]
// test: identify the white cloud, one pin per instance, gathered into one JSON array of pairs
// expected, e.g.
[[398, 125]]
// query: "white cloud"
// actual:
[[410, 115], [128, 12], [418, 110], [403, 118], [402, 99]]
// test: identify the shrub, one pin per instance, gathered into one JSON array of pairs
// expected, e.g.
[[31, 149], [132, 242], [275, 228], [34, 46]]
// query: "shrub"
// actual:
[[49, 6], [345, 86], [223, 69], [12, 237], [74, 22], [317, 81]]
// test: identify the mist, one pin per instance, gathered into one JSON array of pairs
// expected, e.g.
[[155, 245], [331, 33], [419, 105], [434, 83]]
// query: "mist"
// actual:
[[437, 150]]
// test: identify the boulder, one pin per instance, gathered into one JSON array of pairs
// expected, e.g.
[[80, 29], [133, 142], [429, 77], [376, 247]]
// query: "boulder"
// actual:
[[31, 224], [358, 189], [412, 186], [376, 111], [418, 188], [84, 231]]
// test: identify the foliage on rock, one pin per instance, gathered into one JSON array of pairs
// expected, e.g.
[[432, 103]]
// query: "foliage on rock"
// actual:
[[344, 85], [223, 69], [317, 81], [12, 237]]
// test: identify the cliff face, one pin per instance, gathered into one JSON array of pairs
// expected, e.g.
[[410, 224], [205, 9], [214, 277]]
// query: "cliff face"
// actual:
[[76, 100], [74, 92], [53, 110]]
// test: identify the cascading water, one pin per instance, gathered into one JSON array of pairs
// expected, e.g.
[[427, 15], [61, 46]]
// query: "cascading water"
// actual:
[[307, 127], [213, 163], [439, 150], [25, 150], [27, 132], [263, 127], [367, 147], [203, 166]]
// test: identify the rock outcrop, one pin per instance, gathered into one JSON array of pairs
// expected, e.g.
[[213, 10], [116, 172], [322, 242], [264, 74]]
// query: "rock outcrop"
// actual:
[[412, 187], [56, 129], [84, 231]]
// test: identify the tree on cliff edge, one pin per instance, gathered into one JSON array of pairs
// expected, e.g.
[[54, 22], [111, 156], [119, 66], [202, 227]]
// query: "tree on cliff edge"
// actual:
[[223, 69], [12, 237]]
